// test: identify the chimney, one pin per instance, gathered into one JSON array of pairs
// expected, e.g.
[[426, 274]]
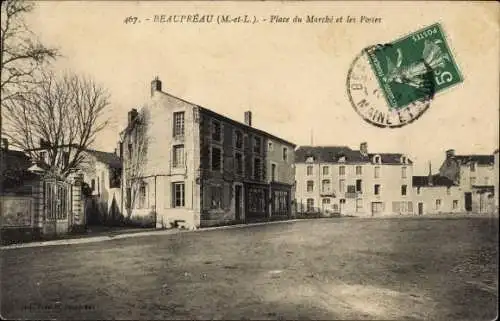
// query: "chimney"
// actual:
[[450, 153], [155, 85], [132, 114], [248, 118], [5, 143], [430, 174], [363, 148]]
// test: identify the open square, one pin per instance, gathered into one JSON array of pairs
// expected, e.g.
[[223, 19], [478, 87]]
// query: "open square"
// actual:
[[395, 268]]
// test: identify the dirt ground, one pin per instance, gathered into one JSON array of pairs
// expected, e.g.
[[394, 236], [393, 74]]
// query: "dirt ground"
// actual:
[[342, 268]]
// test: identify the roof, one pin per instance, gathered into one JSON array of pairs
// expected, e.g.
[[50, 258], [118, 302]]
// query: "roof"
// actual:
[[234, 122], [110, 159], [15, 169], [479, 159], [332, 154], [437, 180]]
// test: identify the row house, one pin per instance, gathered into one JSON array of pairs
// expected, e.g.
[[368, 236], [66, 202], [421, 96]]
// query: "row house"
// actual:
[[340, 180], [475, 177], [186, 164], [435, 194]]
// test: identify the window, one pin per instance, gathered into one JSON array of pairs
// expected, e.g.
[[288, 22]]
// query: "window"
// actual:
[[238, 163], [42, 156], [377, 172], [448, 191], [257, 169], [273, 172], [178, 160], [65, 158], [130, 150], [178, 124], [141, 201], [310, 186], [92, 184], [403, 190], [325, 186], [455, 204], [418, 190], [326, 170], [410, 207], [376, 159], [257, 144], [310, 205], [309, 170], [359, 170], [342, 185], [270, 146], [179, 196], [216, 194], [216, 131], [438, 204], [285, 154], [216, 159], [359, 205], [403, 172], [326, 201], [359, 185], [376, 189], [342, 170], [472, 167], [128, 201], [238, 139]]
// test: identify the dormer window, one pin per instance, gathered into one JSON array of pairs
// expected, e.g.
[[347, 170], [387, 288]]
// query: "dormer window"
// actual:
[[310, 159], [377, 159], [404, 160], [342, 159]]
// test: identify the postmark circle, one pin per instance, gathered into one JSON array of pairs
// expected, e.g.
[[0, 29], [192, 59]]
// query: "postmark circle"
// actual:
[[374, 104]]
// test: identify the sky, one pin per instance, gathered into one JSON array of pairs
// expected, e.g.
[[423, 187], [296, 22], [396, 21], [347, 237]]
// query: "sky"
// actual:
[[292, 76]]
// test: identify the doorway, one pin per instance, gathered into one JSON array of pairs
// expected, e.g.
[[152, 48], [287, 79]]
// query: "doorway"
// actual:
[[342, 206], [376, 208], [468, 201], [238, 196], [420, 208]]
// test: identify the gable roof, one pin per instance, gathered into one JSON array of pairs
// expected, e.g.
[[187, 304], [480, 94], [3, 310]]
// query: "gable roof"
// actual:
[[437, 180], [110, 159], [479, 159], [332, 154]]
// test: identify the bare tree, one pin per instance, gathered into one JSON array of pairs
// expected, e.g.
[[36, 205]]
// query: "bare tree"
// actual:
[[22, 54], [135, 147], [64, 113]]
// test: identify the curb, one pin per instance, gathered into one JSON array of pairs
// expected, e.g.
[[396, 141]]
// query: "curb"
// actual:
[[95, 239]]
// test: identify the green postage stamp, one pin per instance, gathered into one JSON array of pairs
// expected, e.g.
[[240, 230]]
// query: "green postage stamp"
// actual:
[[391, 85]]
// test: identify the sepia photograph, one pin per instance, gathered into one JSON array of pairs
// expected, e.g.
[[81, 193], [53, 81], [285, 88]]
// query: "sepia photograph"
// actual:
[[249, 160]]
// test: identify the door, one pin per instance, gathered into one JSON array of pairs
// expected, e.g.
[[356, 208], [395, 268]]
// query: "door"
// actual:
[[420, 208], [237, 201], [342, 206], [376, 208], [468, 201]]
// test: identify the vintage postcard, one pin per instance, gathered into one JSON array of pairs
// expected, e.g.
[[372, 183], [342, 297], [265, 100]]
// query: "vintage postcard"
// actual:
[[257, 160]]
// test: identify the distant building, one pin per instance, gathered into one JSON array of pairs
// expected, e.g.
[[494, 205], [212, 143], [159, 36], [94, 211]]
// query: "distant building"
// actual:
[[186, 164], [434, 194], [339, 180], [497, 178], [475, 176]]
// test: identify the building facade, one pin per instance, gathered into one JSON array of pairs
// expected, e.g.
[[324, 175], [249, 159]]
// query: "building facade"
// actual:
[[475, 177], [436, 194], [336, 180], [186, 164]]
